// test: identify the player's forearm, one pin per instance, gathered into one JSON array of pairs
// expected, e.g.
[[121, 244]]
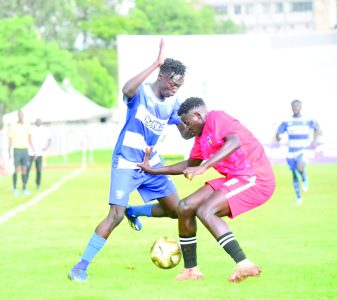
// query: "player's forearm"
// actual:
[[131, 86], [175, 169], [231, 145]]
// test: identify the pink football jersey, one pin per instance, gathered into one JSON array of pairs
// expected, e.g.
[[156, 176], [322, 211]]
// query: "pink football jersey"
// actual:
[[250, 159]]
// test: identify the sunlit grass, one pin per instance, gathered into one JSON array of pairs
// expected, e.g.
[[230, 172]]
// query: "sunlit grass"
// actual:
[[295, 246]]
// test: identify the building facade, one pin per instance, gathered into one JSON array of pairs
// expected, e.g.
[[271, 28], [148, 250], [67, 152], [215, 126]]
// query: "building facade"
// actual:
[[278, 16]]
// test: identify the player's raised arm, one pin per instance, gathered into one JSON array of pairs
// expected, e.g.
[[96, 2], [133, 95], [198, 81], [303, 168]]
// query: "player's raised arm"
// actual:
[[131, 86]]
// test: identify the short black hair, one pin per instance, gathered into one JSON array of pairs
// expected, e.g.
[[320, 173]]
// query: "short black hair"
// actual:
[[189, 104], [296, 101], [173, 67]]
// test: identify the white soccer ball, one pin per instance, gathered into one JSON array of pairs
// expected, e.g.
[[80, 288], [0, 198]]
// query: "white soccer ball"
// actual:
[[165, 253]]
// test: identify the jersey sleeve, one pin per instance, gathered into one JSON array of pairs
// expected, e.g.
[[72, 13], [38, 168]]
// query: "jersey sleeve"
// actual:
[[314, 125], [282, 128], [174, 118], [196, 149], [133, 101]]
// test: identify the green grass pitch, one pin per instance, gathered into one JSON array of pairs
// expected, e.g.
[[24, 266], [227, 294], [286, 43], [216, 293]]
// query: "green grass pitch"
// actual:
[[295, 246]]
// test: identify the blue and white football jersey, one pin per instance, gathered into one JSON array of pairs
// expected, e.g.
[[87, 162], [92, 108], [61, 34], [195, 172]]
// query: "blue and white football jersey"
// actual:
[[146, 118], [299, 132]]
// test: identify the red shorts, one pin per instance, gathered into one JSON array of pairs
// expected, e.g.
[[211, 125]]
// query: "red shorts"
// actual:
[[243, 193]]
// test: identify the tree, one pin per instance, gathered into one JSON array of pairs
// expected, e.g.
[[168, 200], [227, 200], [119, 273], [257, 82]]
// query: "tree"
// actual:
[[26, 59], [100, 86], [171, 17]]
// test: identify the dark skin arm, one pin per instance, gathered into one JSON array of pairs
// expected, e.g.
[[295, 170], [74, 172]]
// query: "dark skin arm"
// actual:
[[317, 133], [131, 86], [232, 143], [175, 169], [193, 167]]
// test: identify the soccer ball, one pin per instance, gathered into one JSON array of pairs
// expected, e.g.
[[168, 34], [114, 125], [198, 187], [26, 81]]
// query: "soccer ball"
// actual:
[[165, 253]]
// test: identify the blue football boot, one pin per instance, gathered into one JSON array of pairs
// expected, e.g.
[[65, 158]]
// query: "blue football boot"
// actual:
[[77, 274], [133, 220]]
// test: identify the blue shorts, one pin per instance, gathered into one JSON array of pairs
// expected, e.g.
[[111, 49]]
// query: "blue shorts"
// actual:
[[292, 162], [150, 187]]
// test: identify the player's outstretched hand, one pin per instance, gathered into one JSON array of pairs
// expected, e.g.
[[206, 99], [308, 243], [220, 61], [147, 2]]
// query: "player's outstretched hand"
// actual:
[[145, 165], [190, 172], [161, 57]]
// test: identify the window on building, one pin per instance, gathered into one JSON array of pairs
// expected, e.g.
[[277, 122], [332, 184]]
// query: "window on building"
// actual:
[[237, 9], [301, 6], [266, 8], [279, 8], [249, 9], [221, 9]]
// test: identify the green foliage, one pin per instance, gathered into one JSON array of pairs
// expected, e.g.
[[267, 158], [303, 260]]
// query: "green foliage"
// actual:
[[99, 85], [228, 27], [171, 17], [34, 36], [26, 59]]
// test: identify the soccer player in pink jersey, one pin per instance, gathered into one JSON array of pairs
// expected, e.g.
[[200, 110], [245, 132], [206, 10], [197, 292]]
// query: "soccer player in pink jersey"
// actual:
[[247, 181]]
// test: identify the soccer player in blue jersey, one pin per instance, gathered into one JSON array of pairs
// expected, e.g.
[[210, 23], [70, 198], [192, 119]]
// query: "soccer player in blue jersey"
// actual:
[[300, 139], [150, 107]]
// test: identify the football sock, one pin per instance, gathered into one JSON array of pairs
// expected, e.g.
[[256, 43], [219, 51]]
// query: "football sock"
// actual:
[[15, 179], [231, 246], [188, 247], [95, 244], [24, 180], [296, 185], [141, 210], [304, 175]]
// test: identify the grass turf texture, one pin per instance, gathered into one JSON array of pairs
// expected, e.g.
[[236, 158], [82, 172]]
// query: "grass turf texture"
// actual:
[[295, 246]]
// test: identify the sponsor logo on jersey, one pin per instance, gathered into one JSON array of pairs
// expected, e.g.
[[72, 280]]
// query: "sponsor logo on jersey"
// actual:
[[119, 194]]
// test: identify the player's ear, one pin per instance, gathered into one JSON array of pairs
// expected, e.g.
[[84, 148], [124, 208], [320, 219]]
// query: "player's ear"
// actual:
[[198, 115], [160, 76]]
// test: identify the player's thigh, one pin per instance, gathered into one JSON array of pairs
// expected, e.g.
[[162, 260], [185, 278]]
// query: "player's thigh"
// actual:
[[123, 182], [215, 204], [301, 162], [155, 187], [17, 158], [193, 201], [292, 163]]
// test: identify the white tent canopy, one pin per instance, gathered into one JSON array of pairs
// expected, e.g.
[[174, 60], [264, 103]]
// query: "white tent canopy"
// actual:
[[53, 104]]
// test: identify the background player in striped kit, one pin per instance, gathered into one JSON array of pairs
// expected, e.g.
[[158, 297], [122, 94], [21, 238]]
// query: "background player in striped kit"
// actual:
[[247, 181], [150, 107], [300, 139]]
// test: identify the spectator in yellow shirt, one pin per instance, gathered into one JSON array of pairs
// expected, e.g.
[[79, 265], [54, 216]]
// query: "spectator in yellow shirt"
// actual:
[[19, 140]]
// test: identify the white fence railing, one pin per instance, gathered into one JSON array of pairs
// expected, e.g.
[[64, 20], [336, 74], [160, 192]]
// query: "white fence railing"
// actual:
[[67, 138]]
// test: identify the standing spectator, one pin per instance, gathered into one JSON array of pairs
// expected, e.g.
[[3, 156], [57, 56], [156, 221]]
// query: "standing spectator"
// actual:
[[41, 141], [19, 140], [300, 140]]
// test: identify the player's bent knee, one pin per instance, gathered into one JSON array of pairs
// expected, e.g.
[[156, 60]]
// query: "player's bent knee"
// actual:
[[184, 209], [116, 215]]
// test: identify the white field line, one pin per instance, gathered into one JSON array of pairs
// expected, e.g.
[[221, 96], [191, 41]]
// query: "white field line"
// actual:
[[12, 213]]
